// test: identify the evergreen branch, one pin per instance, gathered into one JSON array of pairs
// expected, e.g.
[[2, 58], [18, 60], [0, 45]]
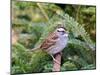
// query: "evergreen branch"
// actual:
[[77, 30], [42, 10], [78, 42]]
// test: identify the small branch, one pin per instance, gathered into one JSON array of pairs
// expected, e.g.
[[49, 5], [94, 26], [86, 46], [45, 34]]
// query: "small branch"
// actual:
[[56, 66], [77, 13], [43, 11]]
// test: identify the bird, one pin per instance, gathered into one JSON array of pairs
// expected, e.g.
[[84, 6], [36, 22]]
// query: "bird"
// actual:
[[55, 42]]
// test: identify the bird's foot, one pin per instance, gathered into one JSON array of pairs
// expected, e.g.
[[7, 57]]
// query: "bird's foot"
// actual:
[[55, 60]]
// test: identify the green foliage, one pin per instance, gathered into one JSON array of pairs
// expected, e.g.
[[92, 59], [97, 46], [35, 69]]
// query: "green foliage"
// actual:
[[68, 66], [48, 67], [20, 59], [34, 21], [88, 67], [23, 61]]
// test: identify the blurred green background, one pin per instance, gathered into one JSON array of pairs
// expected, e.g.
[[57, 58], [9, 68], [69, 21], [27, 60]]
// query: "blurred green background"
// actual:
[[32, 21]]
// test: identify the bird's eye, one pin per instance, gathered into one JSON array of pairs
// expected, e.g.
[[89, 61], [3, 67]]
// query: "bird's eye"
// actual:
[[63, 31]]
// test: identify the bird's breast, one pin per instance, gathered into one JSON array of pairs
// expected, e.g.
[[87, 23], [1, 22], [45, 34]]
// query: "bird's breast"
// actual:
[[59, 46], [62, 41]]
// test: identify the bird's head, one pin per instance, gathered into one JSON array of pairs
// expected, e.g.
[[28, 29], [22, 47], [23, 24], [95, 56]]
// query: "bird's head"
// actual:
[[61, 31]]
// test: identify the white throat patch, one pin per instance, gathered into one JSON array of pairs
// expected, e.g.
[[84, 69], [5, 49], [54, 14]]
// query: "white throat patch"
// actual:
[[60, 29]]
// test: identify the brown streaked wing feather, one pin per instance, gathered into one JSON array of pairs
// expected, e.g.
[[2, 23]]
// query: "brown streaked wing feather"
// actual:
[[51, 40]]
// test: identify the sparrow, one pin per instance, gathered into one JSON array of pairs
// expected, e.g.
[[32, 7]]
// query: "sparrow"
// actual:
[[55, 42]]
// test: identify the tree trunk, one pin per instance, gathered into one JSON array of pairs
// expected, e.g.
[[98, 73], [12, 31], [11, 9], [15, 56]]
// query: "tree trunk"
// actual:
[[56, 66]]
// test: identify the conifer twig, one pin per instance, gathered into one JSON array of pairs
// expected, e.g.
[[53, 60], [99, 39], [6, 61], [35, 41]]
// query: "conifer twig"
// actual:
[[42, 10]]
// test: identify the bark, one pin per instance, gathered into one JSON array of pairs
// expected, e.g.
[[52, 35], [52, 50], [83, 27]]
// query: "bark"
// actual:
[[56, 66]]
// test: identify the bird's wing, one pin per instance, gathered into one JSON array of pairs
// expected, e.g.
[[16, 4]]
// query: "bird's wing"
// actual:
[[51, 40]]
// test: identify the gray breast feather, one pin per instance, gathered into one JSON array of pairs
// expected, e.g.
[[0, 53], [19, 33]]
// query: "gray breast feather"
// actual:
[[59, 46]]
